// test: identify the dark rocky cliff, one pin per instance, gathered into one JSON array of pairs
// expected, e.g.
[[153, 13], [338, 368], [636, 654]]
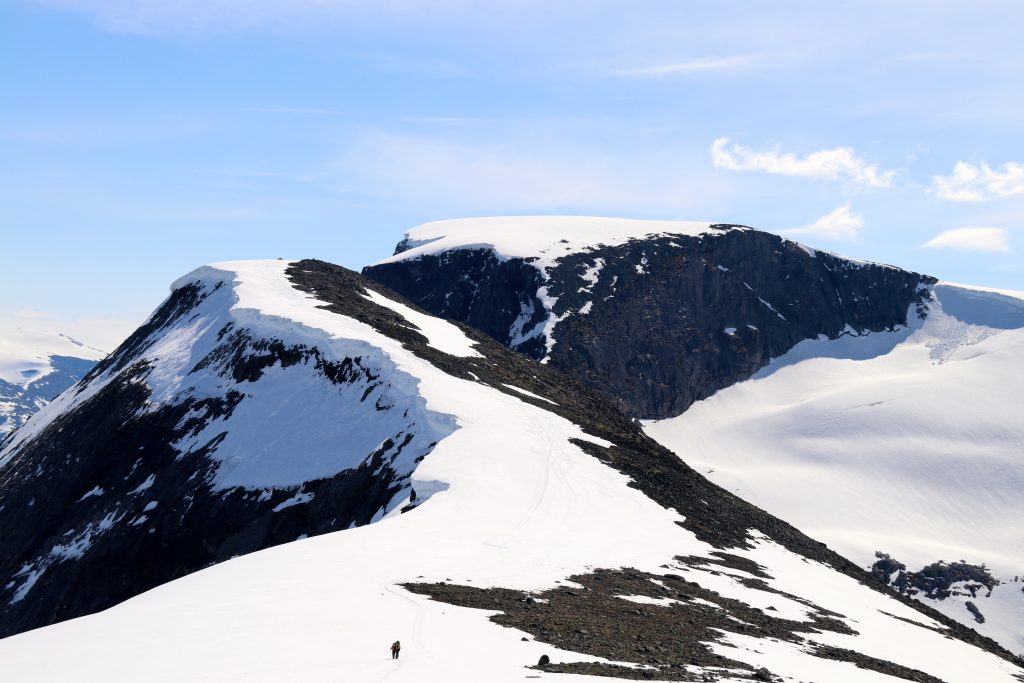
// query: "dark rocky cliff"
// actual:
[[658, 323]]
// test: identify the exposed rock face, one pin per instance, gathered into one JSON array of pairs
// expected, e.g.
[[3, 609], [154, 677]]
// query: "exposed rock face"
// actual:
[[655, 324], [936, 581], [476, 287]]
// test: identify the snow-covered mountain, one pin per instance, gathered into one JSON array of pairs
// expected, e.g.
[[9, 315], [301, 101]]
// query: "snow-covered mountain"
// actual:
[[486, 510], [908, 443], [35, 367], [876, 409], [653, 314]]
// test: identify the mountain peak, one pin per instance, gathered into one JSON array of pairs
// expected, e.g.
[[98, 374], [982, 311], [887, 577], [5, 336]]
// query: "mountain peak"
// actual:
[[542, 239]]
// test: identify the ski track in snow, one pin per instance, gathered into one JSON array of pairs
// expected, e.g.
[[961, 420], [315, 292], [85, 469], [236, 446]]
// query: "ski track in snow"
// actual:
[[523, 508]]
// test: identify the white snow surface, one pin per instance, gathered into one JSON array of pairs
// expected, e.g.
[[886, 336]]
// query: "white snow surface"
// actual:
[[25, 353], [909, 442], [27, 356], [515, 504], [441, 334], [545, 238]]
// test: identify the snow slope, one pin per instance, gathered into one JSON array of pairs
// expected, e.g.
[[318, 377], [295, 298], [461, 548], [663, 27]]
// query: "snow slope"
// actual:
[[516, 503], [910, 443], [35, 367], [544, 238]]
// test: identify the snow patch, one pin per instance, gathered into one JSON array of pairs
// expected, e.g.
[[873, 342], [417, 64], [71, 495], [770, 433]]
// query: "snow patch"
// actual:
[[647, 600], [94, 491], [299, 498], [144, 485], [441, 334], [524, 392]]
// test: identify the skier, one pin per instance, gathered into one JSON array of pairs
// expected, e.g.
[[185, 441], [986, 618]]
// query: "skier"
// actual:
[[396, 647]]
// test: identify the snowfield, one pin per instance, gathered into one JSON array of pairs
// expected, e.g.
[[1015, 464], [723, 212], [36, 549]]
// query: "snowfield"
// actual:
[[544, 238], [35, 367], [25, 353], [514, 504], [909, 442]]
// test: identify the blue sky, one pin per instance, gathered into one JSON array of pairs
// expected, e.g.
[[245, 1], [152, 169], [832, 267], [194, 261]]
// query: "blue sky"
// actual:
[[141, 139]]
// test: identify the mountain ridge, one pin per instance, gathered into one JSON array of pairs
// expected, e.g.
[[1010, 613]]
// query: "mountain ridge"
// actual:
[[652, 320], [501, 400]]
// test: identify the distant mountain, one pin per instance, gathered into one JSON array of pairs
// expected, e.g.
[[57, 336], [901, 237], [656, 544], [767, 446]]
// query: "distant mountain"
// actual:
[[653, 314], [35, 367], [875, 408], [487, 510]]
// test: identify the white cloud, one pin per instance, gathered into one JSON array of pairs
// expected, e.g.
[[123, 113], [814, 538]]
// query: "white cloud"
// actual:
[[971, 239], [692, 66], [826, 164], [840, 224], [978, 183]]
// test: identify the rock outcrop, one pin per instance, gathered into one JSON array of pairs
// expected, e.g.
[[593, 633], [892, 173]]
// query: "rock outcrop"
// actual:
[[658, 322]]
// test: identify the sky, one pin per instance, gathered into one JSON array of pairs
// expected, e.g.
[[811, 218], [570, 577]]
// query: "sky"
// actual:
[[142, 139]]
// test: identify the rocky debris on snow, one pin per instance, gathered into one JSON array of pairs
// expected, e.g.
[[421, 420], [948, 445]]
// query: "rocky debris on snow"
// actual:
[[871, 664], [973, 609], [663, 641], [936, 581]]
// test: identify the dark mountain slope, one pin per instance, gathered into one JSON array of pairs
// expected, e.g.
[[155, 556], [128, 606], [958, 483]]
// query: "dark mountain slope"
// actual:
[[657, 322]]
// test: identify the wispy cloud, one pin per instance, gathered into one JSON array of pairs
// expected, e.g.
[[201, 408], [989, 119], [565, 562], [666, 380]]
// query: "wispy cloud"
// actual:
[[297, 110], [840, 224], [688, 67], [213, 17], [979, 183], [840, 163], [31, 314], [435, 68], [971, 239], [524, 174]]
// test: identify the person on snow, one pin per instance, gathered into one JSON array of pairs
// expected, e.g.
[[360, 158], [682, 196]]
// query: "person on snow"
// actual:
[[396, 647]]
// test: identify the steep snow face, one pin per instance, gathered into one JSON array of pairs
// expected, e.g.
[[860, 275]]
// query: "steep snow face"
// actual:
[[517, 503], [247, 439], [35, 367], [907, 442], [543, 238]]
